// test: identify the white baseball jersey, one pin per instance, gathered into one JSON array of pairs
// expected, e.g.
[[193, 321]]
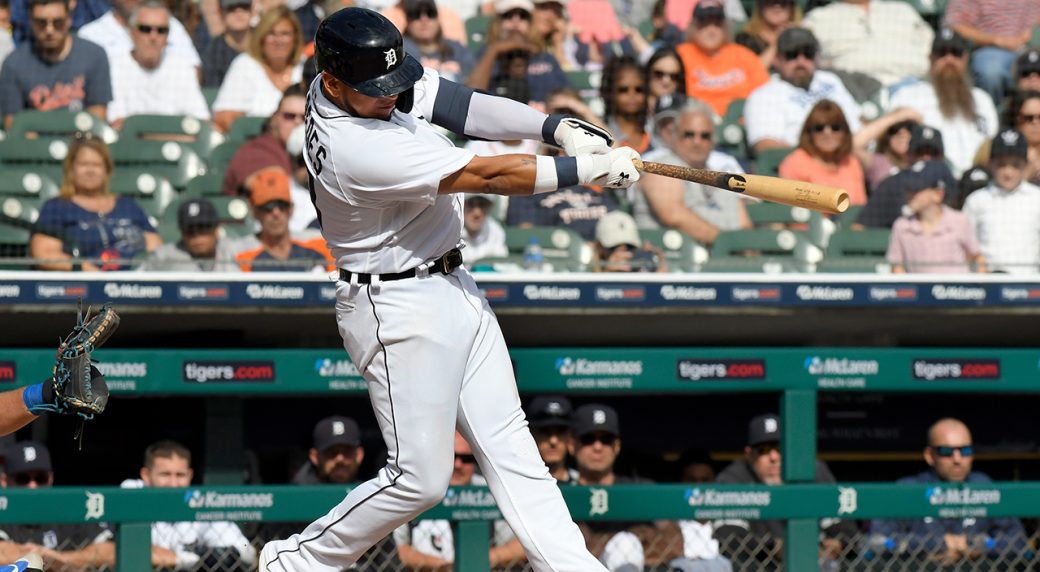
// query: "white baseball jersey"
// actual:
[[380, 212]]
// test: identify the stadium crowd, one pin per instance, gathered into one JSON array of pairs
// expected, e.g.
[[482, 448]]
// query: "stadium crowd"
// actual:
[[829, 92]]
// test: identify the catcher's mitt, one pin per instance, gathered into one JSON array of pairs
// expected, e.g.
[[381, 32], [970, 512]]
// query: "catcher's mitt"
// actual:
[[77, 387]]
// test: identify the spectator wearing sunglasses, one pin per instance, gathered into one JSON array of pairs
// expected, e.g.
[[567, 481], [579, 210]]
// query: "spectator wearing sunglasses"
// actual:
[[223, 49], [425, 41], [999, 29], [62, 546], [112, 32], [1023, 113], [950, 454], [720, 70], [824, 154], [948, 101], [595, 444], [513, 66], [624, 93], [269, 148], [201, 248], [665, 78], [56, 70], [768, 19], [142, 78], [273, 249], [1027, 71], [885, 40], [699, 211], [774, 113], [429, 544], [883, 145], [452, 27], [745, 541]]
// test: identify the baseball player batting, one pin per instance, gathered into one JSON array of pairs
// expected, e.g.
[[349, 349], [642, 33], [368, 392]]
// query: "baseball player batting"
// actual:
[[385, 185]]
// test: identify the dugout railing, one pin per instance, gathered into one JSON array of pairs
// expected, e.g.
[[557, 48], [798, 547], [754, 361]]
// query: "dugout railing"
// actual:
[[795, 374]]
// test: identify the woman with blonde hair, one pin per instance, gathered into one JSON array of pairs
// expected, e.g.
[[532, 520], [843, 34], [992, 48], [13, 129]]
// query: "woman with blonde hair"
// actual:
[[257, 77], [825, 153], [768, 20], [86, 221]]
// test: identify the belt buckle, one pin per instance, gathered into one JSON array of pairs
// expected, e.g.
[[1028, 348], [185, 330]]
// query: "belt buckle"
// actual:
[[448, 265]]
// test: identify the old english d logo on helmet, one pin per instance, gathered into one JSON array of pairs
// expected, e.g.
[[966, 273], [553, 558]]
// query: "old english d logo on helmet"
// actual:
[[364, 50]]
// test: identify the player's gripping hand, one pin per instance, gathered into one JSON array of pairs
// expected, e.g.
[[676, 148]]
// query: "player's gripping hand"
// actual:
[[615, 170], [579, 137]]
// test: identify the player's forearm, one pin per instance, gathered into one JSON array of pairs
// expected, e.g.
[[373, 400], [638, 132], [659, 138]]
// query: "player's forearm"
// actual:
[[415, 560], [517, 174], [93, 556], [15, 413], [975, 35]]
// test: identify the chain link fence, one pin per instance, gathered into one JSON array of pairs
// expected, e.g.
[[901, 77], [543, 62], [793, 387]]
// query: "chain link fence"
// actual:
[[662, 546]]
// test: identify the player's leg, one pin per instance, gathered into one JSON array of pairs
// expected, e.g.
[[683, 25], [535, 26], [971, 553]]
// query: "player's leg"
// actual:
[[406, 338], [491, 420]]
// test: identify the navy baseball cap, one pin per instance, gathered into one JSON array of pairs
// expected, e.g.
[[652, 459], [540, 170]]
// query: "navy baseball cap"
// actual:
[[923, 175], [595, 417], [796, 38], [764, 429], [549, 411], [197, 213], [707, 9], [1009, 143], [948, 38], [1028, 62], [336, 430], [27, 456], [925, 139]]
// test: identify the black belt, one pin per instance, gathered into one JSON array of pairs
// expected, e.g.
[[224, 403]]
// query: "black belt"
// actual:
[[445, 265]]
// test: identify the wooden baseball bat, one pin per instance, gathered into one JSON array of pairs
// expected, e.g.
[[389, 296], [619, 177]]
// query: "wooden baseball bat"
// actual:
[[830, 200]]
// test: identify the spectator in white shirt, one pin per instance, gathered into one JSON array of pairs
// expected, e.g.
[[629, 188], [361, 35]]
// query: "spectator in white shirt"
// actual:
[[484, 236], [148, 80], [258, 77], [775, 112], [884, 39], [948, 101], [112, 32], [1006, 213]]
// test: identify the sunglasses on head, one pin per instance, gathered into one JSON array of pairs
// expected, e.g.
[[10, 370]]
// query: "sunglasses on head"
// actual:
[[594, 438], [146, 29], [658, 74], [630, 89], [23, 479], [44, 23], [821, 127], [943, 52], [947, 451], [269, 206], [428, 11], [465, 459], [516, 13], [702, 135], [809, 53]]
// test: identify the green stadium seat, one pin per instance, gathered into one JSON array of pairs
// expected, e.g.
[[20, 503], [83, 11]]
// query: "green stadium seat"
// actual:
[[245, 128], [219, 157], [152, 193], [792, 251], [563, 248], [750, 265], [28, 182], [199, 135], [210, 93], [59, 124], [766, 214], [680, 251], [848, 218], [14, 244], [175, 162], [857, 251], [25, 209], [208, 185], [42, 155], [767, 162], [476, 31], [730, 135]]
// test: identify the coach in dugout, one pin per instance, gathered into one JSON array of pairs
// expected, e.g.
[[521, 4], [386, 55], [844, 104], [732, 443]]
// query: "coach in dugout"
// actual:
[[949, 454], [744, 540]]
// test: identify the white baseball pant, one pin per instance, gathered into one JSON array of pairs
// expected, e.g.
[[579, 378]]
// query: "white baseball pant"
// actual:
[[434, 358]]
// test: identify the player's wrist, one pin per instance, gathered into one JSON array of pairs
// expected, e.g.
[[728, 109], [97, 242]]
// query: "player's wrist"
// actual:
[[552, 173], [37, 400], [592, 167]]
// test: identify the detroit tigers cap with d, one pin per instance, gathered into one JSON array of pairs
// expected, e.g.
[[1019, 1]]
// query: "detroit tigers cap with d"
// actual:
[[365, 50], [1028, 62], [764, 429], [549, 411], [949, 39], [336, 430], [796, 39], [707, 9], [595, 417], [925, 139], [197, 213], [1009, 143], [27, 456]]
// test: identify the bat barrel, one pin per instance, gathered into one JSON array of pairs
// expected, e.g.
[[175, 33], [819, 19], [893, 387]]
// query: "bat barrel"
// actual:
[[823, 198]]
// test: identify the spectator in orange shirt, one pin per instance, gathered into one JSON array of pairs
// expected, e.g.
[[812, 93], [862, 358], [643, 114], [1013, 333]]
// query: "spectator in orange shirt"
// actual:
[[718, 70], [273, 248], [824, 154]]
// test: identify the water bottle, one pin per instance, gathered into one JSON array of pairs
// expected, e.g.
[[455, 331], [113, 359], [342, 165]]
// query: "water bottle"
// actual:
[[533, 258], [983, 543], [878, 545]]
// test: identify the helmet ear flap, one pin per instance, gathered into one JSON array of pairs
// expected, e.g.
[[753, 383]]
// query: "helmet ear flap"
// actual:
[[405, 100]]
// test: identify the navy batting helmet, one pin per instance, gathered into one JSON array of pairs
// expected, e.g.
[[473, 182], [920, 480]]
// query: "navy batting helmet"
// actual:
[[364, 50]]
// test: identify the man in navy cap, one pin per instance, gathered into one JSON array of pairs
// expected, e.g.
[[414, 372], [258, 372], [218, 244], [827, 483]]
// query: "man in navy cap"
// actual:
[[1006, 213], [336, 454], [200, 248], [549, 417]]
